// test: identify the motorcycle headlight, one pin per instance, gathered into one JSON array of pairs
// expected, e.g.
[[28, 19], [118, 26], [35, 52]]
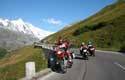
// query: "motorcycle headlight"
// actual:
[[85, 50], [59, 52], [70, 60]]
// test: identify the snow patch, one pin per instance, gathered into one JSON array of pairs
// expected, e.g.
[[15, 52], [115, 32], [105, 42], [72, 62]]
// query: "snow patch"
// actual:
[[20, 26]]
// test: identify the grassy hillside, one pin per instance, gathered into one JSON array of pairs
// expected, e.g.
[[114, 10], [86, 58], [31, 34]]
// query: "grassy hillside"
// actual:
[[12, 66], [106, 29]]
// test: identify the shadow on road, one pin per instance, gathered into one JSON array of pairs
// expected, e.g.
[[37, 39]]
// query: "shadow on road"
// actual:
[[79, 56], [58, 70]]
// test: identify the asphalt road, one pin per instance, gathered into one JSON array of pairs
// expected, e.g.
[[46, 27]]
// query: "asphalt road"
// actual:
[[105, 66]]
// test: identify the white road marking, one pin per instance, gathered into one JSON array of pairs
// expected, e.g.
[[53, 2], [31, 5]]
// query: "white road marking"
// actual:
[[111, 52], [119, 65]]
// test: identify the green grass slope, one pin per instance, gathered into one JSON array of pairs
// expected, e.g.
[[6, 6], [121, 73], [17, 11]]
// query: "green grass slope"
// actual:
[[106, 29], [12, 66]]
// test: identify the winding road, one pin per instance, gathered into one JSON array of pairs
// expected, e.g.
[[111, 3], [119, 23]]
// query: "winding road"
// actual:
[[105, 66]]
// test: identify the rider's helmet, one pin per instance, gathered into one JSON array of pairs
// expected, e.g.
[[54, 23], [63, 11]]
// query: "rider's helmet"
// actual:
[[83, 43], [90, 43]]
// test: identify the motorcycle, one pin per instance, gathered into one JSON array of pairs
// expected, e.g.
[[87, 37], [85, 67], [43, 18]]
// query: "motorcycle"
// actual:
[[91, 50], [84, 52], [62, 59], [58, 60]]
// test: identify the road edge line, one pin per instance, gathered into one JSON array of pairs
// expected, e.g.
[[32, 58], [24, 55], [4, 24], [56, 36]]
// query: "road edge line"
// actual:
[[119, 65], [111, 52]]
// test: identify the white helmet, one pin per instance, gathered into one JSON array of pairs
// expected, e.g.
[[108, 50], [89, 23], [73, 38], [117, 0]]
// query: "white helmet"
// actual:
[[83, 43]]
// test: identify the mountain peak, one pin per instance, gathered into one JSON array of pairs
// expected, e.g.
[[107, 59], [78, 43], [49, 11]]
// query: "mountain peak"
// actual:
[[19, 25], [20, 20], [4, 22]]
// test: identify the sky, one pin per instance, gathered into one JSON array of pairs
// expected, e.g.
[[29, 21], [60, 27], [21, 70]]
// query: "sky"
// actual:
[[51, 15]]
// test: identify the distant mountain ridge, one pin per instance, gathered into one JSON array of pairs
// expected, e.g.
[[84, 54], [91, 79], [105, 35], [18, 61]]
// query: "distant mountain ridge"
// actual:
[[17, 33]]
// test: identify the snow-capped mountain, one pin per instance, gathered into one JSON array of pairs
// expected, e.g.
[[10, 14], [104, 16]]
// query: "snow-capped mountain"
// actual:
[[24, 27], [17, 33]]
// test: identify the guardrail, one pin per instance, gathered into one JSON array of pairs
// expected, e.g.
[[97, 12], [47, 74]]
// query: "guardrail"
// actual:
[[43, 45]]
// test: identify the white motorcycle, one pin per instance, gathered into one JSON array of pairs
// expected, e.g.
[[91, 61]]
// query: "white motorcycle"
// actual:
[[84, 52]]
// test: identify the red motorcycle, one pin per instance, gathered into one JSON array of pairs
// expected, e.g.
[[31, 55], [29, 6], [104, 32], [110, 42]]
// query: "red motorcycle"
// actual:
[[58, 60], [62, 59]]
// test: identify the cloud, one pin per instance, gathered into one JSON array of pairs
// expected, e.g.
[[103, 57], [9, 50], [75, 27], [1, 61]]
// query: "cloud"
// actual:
[[53, 21]]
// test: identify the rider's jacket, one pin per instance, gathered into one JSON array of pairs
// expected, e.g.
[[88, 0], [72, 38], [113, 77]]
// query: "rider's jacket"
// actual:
[[90, 46], [83, 46]]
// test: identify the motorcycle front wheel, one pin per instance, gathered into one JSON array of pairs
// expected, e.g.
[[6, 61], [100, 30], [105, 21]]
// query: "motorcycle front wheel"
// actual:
[[63, 67]]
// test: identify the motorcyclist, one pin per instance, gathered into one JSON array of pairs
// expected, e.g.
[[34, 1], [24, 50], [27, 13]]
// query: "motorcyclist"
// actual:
[[83, 51], [90, 44], [58, 44], [65, 45], [68, 53], [89, 48], [83, 45], [60, 41], [56, 48]]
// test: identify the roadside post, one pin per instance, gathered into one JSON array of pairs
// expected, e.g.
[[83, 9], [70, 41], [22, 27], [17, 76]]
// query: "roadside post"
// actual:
[[30, 70]]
